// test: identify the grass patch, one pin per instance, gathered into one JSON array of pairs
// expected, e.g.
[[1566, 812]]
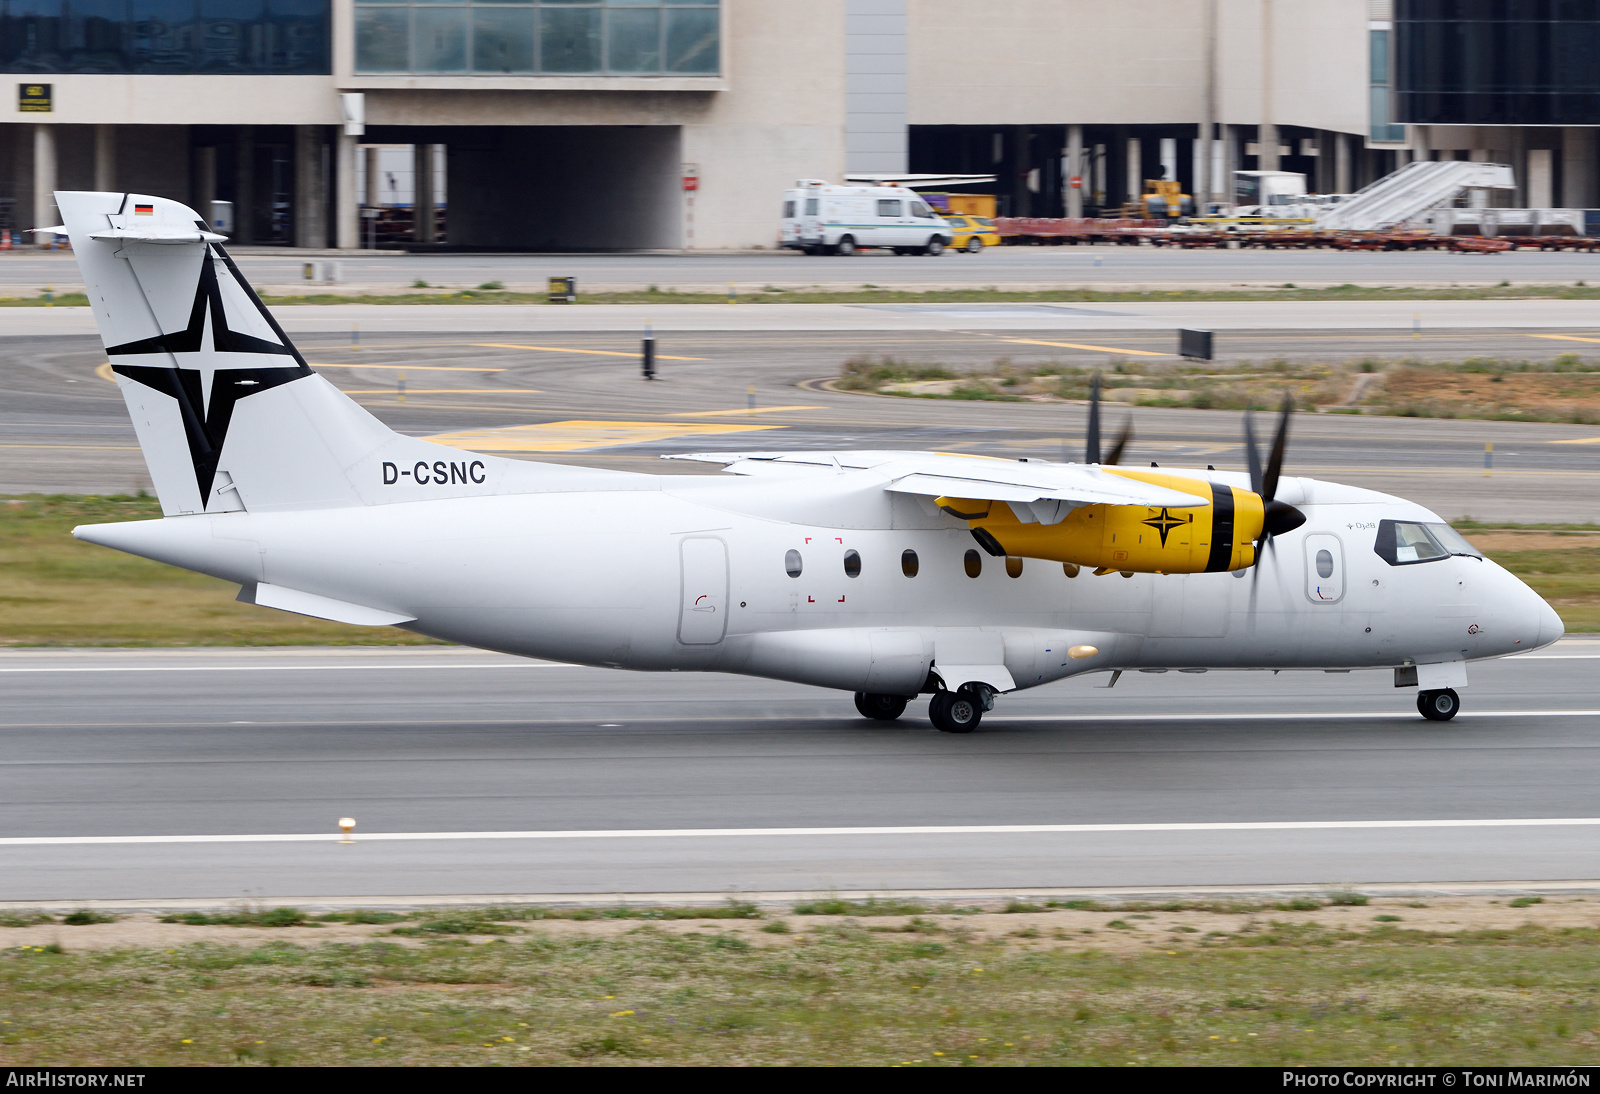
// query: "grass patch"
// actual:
[[58, 591], [1284, 995], [1564, 388], [243, 917]]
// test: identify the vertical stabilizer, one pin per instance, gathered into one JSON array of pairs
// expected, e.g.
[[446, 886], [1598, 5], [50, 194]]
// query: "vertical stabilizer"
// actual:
[[228, 413], [188, 339]]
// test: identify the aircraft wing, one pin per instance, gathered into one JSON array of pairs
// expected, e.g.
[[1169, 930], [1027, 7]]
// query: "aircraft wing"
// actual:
[[1003, 480], [941, 474]]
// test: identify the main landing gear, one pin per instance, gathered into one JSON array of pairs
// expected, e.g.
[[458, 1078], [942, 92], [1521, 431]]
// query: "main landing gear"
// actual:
[[1438, 706], [950, 711], [960, 711], [885, 708]]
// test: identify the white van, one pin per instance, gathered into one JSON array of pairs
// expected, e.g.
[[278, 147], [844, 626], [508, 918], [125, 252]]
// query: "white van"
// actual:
[[823, 219]]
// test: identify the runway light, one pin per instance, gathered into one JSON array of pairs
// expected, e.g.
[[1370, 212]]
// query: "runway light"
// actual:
[[1078, 653], [345, 826]]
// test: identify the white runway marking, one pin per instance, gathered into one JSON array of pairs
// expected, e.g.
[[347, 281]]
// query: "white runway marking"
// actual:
[[723, 833]]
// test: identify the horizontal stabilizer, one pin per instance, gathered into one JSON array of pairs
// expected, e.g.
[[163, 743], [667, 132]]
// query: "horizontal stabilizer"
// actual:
[[318, 607], [154, 234]]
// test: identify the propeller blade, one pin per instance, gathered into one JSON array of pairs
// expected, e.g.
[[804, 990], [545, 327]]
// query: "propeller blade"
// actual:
[[1091, 445], [1250, 454], [1122, 442], [1269, 486]]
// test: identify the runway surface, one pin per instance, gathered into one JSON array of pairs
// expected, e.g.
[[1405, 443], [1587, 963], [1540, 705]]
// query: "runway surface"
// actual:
[[64, 428], [471, 773], [1106, 266]]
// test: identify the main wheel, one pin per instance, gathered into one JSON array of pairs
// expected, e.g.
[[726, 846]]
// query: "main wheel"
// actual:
[[847, 246], [974, 245], [935, 246], [885, 708], [954, 712], [1438, 706]]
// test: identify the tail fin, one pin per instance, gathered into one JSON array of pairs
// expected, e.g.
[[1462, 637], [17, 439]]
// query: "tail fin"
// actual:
[[228, 413]]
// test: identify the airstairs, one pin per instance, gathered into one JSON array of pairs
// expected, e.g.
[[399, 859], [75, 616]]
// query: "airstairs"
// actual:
[[1410, 192]]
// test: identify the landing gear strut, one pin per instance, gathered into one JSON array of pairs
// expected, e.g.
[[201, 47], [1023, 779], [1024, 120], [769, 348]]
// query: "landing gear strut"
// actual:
[[885, 708], [959, 711], [1438, 706]]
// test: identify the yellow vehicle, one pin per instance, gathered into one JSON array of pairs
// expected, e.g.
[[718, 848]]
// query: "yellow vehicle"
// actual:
[[970, 233]]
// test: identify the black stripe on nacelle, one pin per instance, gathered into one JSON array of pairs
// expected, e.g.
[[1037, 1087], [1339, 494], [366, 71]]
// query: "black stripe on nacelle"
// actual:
[[1221, 528]]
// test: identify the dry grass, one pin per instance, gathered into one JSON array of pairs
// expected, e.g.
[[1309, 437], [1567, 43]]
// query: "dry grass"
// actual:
[[1465, 980]]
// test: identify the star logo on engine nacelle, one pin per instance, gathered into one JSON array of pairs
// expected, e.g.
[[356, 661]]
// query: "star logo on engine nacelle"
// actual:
[[1164, 523]]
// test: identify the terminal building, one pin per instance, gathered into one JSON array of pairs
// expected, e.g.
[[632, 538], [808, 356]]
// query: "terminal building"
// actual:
[[567, 125]]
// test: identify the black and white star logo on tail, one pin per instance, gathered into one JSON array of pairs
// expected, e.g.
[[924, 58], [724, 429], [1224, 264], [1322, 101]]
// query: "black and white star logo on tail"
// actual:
[[209, 376], [1164, 523]]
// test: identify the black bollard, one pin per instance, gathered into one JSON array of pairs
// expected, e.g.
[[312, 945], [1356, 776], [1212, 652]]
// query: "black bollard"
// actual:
[[647, 356]]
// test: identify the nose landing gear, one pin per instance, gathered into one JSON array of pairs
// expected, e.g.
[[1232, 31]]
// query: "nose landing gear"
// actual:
[[1438, 706], [960, 711]]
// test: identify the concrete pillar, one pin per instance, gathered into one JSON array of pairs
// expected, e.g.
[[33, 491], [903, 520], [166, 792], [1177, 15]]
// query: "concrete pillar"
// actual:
[[1541, 179], [105, 158], [1519, 166], [205, 180], [422, 225], [1267, 132], [374, 176], [1420, 147], [310, 189], [44, 179], [1075, 169], [1342, 174], [244, 185], [1205, 181], [1578, 189], [346, 207], [1135, 169]]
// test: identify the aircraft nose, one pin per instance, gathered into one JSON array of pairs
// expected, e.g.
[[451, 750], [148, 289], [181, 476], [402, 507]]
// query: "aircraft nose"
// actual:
[[1550, 625]]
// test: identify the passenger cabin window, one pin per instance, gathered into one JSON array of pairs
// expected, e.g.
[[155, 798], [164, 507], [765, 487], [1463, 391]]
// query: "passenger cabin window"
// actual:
[[1324, 564], [852, 564], [791, 563], [973, 562], [788, 210], [811, 207], [1403, 543], [1070, 569], [908, 563], [888, 207], [1013, 566]]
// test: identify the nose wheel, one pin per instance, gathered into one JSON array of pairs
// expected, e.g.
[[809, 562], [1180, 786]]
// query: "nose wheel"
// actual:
[[955, 711], [885, 708], [1438, 706]]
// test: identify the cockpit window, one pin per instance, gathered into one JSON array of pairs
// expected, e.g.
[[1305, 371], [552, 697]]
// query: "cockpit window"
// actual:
[[1402, 543]]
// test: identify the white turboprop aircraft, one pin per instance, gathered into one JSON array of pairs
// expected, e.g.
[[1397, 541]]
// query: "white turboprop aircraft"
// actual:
[[886, 574]]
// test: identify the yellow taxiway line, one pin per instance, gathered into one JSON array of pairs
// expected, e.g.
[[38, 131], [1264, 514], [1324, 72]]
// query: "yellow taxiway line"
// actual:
[[1077, 345], [1565, 337], [744, 410], [566, 349], [571, 436]]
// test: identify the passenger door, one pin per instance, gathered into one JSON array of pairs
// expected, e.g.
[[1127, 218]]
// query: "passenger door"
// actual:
[[892, 224], [703, 611]]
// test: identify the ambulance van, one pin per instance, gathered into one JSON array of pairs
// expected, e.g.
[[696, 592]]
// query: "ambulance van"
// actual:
[[822, 219]]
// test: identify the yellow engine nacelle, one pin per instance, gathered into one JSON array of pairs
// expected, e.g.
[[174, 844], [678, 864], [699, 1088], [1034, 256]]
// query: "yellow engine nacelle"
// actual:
[[1207, 538]]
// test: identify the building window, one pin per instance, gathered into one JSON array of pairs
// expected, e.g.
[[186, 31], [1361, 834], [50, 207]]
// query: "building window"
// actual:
[[167, 37], [539, 37], [1381, 112]]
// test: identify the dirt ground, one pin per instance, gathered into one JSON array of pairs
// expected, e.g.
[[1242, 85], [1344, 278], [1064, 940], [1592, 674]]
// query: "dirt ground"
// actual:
[[1116, 931]]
